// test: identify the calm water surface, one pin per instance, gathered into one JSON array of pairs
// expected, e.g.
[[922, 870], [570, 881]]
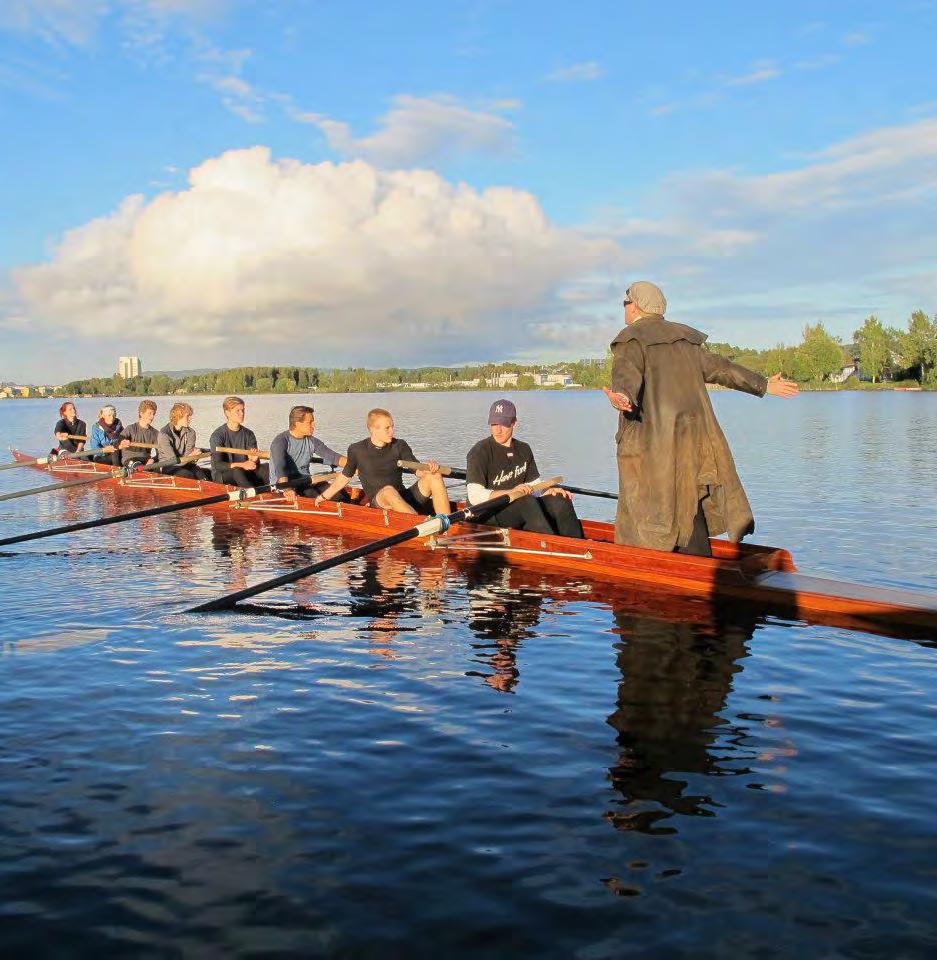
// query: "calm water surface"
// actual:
[[415, 757]]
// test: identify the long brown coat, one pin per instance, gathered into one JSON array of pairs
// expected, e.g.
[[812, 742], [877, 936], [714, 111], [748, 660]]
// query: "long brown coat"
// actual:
[[672, 452]]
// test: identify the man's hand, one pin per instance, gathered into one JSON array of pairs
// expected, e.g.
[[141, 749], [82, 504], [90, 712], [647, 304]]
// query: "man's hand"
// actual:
[[246, 465], [559, 491], [523, 489], [61, 437], [619, 401], [778, 386], [289, 494], [432, 467], [123, 444]]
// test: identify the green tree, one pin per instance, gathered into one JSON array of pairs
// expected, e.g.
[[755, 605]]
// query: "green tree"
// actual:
[[525, 382], [919, 346], [876, 344], [263, 385], [821, 354], [285, 385]]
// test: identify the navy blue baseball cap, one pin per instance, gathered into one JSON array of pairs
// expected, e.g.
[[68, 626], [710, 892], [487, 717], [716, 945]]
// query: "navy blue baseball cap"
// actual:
[[502, 412]]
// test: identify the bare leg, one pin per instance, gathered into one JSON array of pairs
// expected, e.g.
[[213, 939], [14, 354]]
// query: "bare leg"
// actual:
[[389, 499], [432, 485]]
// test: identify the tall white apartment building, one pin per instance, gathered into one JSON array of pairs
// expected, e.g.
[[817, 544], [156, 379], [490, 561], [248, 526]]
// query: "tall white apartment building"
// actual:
[[128, 367]]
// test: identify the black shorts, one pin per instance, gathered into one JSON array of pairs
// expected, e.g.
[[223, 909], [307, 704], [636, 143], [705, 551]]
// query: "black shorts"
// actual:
[[421, 502]]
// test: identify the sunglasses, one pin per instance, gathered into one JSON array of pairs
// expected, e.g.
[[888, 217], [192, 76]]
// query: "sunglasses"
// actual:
[[625, 302]]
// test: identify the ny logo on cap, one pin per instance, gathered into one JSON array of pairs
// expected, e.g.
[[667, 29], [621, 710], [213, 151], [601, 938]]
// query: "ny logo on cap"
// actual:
[[499, 408]]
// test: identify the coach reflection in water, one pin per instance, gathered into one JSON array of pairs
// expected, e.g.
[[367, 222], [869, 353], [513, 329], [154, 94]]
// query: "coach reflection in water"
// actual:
[[675, 680]]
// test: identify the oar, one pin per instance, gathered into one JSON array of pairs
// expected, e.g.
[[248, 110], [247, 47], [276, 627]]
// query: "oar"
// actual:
[[235, 496], [97, 478], [258, 454], [130, 443], [427, 528], [51, 458], [460, 474]]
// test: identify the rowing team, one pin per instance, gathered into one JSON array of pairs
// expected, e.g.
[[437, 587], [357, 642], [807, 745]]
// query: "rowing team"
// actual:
[[495, 465]]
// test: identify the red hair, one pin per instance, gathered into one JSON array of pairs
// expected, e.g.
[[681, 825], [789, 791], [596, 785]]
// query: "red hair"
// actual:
[[68, 403]]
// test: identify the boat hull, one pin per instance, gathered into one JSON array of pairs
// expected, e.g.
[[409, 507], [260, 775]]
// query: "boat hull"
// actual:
[[748, 572]]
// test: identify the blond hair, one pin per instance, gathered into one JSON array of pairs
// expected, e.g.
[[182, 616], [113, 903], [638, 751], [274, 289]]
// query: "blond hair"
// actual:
[[179, 410], [230, 402], [146, 405], [375, 414]]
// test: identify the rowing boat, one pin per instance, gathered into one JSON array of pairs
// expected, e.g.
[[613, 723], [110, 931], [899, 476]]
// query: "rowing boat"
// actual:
[[756, 574]]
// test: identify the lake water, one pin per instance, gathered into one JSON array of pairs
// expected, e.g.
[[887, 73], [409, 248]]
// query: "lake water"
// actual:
[[405, 758]]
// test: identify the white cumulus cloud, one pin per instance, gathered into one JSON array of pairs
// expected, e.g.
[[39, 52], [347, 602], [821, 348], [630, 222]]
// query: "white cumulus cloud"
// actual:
[[345, 258]]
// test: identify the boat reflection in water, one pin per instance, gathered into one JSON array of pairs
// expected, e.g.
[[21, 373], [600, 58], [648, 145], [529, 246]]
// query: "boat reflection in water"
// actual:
[[676, 658]]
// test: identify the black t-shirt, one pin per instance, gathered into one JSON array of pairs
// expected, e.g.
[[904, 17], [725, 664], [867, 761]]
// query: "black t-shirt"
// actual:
[[77, 427], [242, 439], [499, 468], [377, 466]]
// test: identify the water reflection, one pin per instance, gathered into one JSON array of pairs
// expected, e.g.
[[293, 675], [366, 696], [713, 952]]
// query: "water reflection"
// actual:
[[676, 675], [502, 613], [387, 589]]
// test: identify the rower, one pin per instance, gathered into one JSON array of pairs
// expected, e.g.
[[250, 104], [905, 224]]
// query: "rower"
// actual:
[[375, 461], [292, 453], [105, 435], [142, 431], [241, 470], [177, 440], [68, 427], [500, 463]]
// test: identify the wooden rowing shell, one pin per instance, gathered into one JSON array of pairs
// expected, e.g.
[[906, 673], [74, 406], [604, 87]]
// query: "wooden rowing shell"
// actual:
[[756, 574]]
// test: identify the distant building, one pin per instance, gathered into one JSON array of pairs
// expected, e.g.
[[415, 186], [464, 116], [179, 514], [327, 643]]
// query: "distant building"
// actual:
[[129, 367]]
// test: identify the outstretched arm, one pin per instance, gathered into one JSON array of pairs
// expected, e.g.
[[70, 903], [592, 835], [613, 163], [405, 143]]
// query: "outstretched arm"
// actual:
[[717, 369]]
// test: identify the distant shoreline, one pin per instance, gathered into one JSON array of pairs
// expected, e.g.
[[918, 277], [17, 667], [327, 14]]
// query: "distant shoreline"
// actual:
[[804, 388]]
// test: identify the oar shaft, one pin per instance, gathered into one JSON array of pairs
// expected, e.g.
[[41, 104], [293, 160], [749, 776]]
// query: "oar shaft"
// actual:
[[415, 465], [132, 443], [460, 474], [97, 478], [232, 495], [51, 458], [252, 454], [61, 485]]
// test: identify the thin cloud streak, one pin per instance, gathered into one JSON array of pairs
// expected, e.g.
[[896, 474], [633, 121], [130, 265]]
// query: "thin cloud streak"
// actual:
[[577, 73], [419, 130]]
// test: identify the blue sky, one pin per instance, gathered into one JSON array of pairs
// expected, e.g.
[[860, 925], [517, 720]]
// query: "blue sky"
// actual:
[[212, 182]]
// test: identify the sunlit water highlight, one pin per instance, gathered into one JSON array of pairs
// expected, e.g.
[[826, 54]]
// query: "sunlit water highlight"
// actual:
[[416, 757]]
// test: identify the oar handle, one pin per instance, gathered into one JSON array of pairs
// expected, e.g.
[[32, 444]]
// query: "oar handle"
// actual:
[[537, 487], [251, 454], [415, 465]]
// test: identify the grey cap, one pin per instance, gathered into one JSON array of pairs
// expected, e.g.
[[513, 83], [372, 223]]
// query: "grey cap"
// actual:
[[502, 412], [647, 297]]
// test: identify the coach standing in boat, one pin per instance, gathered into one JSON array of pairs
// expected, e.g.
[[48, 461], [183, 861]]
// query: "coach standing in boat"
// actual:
[[677, 482]]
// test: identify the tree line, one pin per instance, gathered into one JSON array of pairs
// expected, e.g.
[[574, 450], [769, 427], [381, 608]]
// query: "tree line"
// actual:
[[882, 352], [587, 373]]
